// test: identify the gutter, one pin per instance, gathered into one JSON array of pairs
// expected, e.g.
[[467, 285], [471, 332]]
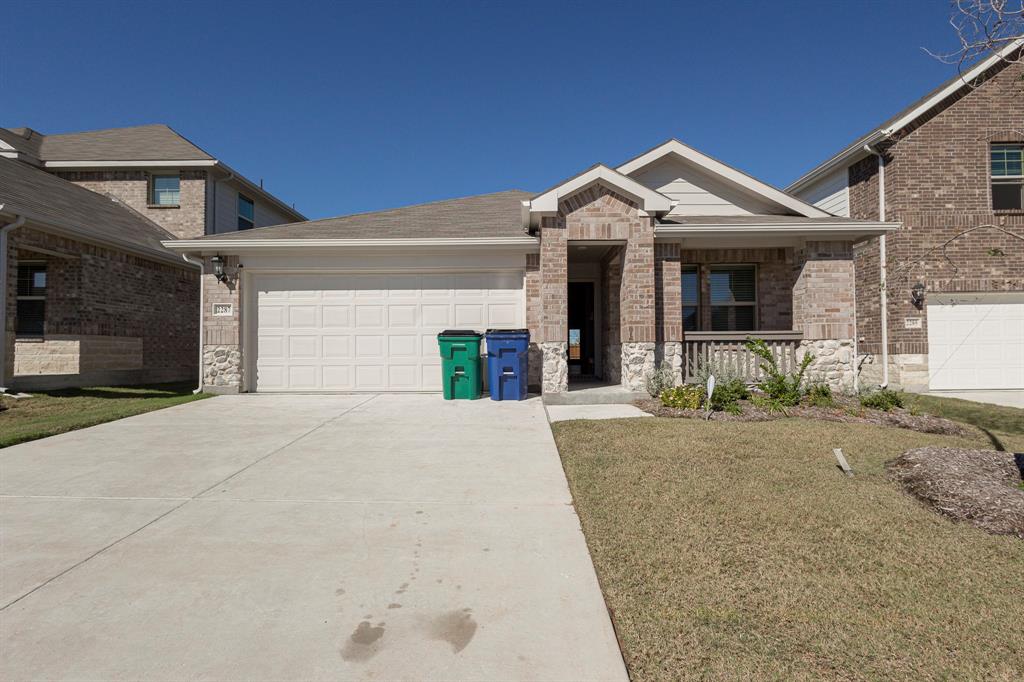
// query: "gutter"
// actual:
[[10, 227], [200, 245], [883, 315], [202, 316]]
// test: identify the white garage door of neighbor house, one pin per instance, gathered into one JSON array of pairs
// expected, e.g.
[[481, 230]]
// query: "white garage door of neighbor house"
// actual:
[[363, 332], [976, 344]]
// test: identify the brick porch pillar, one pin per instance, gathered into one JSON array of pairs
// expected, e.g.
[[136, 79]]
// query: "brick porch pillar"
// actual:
[[554, 303], [222, 338], [668, 309], [824, 310], [637, 295]]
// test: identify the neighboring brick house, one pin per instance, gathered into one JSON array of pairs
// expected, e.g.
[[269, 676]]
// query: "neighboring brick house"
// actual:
[[667, 259], [92, 295], [954, 288]]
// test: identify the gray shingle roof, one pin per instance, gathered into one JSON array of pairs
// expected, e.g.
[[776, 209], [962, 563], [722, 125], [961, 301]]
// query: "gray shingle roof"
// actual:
[[141, 143], [485, 215], [25, 140], [47, 199]]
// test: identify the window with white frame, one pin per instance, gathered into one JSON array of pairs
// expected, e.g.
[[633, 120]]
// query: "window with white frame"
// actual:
[[691, 298], [246, 213], [733, 297], [1007, 177], [31, 300], [165, 189]]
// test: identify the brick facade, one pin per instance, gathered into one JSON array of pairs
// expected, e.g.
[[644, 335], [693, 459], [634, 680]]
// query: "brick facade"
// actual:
[[223, 371], [110, 315], [937, 184], [185, 221]]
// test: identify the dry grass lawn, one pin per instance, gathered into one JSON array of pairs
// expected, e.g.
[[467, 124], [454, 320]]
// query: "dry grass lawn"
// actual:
[[738, 551], [48, 413]]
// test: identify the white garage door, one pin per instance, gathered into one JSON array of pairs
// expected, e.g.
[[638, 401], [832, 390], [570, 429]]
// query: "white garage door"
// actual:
[[977, 343], [372, 332]]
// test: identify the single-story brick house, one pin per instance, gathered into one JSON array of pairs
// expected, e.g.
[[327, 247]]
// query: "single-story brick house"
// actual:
[[661, 259], [92, 297]]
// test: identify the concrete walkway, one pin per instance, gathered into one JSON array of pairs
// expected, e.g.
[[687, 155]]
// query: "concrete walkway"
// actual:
[[560, 413], [300, 537]]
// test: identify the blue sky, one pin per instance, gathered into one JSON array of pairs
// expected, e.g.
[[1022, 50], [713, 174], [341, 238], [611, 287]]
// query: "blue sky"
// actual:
[[344, 107]]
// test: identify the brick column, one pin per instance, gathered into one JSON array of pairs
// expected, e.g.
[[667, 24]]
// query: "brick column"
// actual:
[[824, 310], [637, 304], [554, 294], [668, 309], [222, 339], [534, 318]]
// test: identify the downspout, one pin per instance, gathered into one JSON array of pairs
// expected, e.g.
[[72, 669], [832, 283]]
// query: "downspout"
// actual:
[[9, 227], [202, 310], [882, 267]]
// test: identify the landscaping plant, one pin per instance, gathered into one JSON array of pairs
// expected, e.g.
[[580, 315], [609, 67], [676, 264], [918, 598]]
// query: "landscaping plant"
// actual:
[[882, 399], [659, 380], [820, 395], [687, 397], [779, 387], [728, 394]]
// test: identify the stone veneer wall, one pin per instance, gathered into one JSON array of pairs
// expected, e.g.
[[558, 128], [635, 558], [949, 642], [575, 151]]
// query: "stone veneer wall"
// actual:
[[133, 319], [187, 220]]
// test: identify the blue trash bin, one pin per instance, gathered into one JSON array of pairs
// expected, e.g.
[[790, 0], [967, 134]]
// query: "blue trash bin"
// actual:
[[507, 363]]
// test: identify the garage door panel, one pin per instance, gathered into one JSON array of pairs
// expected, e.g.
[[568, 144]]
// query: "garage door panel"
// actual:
[[336, 316], [336, 347], [371, 332], [974, 346]]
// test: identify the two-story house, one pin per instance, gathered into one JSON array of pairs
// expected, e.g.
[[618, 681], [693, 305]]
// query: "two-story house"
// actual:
[[940, 302], [92, 297]]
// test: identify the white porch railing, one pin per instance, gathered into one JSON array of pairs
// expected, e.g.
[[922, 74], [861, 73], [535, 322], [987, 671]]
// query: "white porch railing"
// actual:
[[726, 350]]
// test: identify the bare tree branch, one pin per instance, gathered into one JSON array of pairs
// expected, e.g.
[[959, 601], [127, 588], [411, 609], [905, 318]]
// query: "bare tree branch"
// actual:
[[983, 28]]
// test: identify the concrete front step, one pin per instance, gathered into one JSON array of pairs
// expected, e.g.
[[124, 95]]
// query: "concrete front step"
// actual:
[[595, 395]]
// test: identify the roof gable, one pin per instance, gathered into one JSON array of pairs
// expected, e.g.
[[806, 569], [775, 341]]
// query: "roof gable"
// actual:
[[156, 142], [647, 199], [774, 200]]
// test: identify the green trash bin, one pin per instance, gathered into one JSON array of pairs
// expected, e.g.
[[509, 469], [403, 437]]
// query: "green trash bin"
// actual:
[[460, 364]]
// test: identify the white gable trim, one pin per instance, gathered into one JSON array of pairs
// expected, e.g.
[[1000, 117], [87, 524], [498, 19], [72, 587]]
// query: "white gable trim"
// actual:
[[725, 172], [649, 200]]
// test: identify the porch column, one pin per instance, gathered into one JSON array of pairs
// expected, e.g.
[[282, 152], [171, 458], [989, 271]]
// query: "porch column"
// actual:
[[637, 305], [554, 295], [668, 309], [824, 310]]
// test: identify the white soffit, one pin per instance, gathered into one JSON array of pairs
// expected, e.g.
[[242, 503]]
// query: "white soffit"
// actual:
[[725, 172], [649, 200]]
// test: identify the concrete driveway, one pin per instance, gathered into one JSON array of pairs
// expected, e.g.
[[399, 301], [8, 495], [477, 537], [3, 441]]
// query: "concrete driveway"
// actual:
[[300, 537]]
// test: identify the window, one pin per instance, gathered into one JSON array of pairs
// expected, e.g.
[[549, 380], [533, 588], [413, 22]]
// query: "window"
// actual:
[[733, 298], [165, 190], [691, 299], [246, 213], [31, 311], [1007, 177]]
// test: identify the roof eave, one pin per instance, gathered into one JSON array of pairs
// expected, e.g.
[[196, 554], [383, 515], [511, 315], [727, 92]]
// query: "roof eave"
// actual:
[[854, 232], [210, 246]]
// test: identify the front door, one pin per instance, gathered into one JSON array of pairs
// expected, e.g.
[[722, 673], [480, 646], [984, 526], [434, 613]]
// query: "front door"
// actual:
[[581, 330]]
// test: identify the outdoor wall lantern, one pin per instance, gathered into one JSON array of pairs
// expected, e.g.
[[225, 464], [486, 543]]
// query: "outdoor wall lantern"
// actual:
[[218, 269], [917, 295]]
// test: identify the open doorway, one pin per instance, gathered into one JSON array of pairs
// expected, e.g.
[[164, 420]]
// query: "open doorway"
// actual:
[[582, 332]]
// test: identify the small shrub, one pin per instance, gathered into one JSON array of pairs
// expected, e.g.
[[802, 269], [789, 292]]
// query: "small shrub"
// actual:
[[723, 372], [820, 395], [777, 385], [727, 395], [659, 380], [688, 397], [882, 399]]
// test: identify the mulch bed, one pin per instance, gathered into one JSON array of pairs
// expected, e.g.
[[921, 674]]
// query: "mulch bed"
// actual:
[[979, 487], [848, 411]]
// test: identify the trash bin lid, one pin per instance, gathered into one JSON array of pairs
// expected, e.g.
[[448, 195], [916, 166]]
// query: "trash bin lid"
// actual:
[[459, 332], [508, 332]]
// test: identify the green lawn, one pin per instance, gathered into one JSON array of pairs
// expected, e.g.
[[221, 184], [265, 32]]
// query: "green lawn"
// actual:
[[738, 551], [52, 412], [990, 417]]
